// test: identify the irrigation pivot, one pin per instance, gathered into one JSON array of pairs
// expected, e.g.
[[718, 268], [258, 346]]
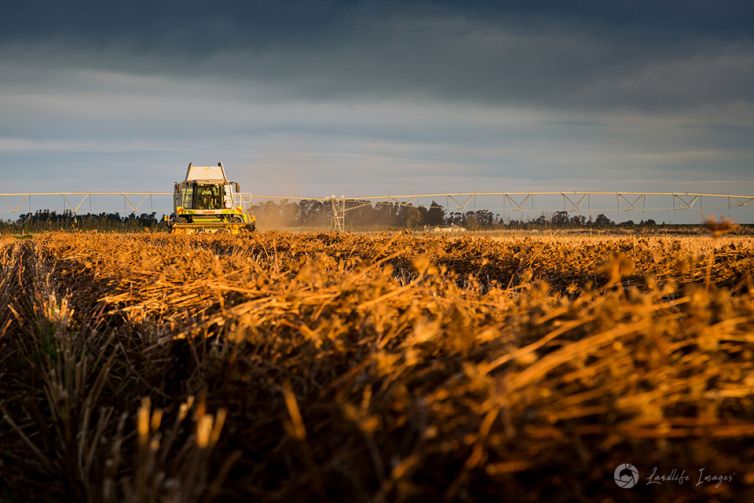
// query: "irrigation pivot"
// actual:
[[506, 204]]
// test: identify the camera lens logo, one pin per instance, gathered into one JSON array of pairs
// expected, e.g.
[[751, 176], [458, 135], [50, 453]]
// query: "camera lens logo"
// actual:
[[626, 476]]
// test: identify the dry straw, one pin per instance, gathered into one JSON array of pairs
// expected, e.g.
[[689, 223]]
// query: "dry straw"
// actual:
[[383, 367]]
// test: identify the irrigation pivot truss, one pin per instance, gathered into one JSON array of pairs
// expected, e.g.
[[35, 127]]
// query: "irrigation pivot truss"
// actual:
[[74, 202], [572, 202], [505, 204]]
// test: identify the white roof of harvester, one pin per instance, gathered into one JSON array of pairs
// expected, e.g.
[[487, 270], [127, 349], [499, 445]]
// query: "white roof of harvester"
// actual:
[[205, 173]]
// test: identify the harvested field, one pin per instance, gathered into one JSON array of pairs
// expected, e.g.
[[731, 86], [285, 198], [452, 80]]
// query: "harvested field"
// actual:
[[374, 367]]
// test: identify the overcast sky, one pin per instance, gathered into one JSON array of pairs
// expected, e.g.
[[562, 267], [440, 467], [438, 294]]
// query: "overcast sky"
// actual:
[[323, 97]]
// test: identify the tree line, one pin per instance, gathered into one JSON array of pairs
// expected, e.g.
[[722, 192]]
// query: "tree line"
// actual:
[[46, 220], [366, 215], [359, 215]]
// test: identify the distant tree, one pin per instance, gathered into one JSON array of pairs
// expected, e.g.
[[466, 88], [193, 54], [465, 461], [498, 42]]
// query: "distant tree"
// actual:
[[410, 215], [485, 218], [603, 221], [313, 213], [540, 220], [470, 221], [435, 215], [560, 218]]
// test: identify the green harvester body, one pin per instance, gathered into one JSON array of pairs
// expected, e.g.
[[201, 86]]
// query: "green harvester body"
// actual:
[[206, 201]]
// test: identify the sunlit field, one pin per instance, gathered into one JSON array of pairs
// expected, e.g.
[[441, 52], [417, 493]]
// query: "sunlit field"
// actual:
[[373, 367]]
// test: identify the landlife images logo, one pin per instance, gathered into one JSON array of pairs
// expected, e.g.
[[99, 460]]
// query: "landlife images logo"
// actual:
[[626, 476]]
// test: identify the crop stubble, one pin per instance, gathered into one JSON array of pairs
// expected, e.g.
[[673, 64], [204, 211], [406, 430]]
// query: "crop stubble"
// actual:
[[372, 366]]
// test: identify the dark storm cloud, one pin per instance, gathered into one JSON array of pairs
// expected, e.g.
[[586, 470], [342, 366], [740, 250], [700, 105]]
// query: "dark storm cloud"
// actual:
[[550, 54], [258, 23]]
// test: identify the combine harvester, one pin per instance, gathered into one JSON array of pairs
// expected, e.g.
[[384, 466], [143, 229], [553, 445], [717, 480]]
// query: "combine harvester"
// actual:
[[206, 202]]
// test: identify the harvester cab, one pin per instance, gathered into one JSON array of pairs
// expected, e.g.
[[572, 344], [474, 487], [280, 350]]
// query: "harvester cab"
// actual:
[[206, 201]]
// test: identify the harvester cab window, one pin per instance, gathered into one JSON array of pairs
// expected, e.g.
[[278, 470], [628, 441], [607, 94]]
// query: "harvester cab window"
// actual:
[[207, 197], [227, 196], [188, 197]]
